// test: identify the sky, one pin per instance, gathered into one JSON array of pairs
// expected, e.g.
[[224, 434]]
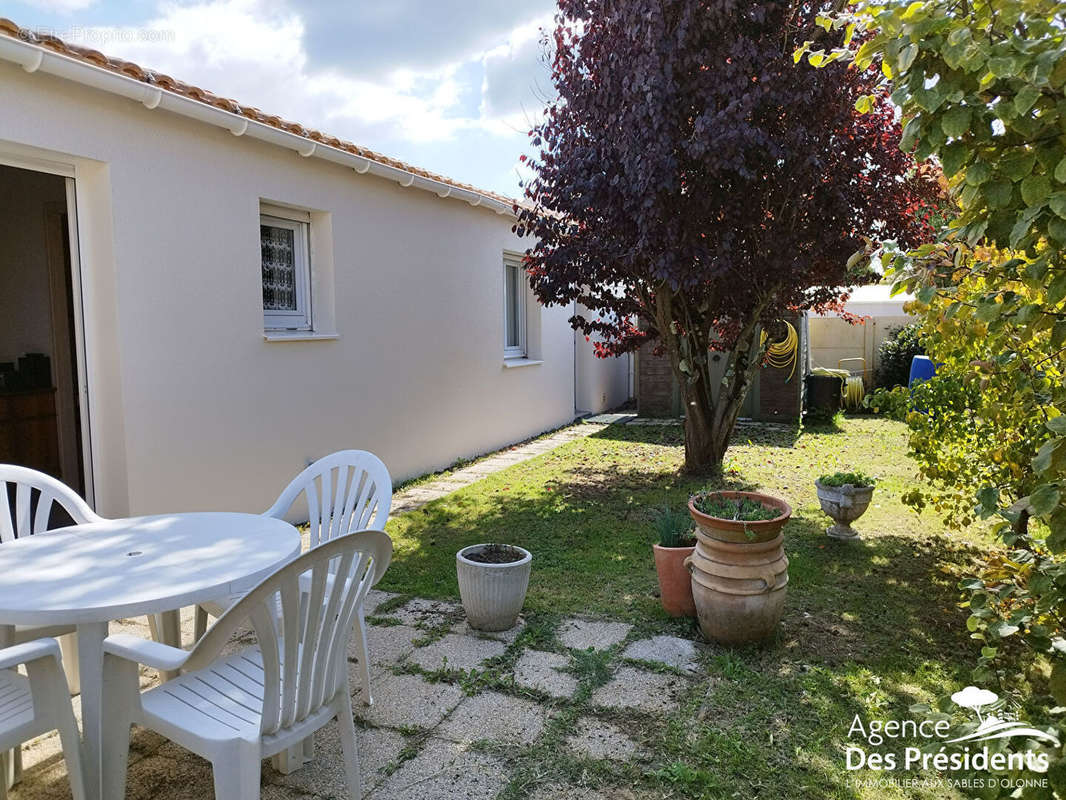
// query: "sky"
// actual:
[[448, 85]]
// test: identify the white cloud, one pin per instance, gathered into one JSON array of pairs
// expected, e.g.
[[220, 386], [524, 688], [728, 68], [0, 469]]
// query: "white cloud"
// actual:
[[255, 52], [516, 77], [60, 6]]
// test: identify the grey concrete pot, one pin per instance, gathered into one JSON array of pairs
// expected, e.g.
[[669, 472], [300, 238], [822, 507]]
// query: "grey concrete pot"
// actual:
[[844, 504], [492, 594]]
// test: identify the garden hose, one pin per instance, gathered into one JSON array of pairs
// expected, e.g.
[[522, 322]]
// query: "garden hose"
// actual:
[[852, 391], [782, 354]]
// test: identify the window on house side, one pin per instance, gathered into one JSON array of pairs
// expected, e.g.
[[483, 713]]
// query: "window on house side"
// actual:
[[514, 308], [286, 273]]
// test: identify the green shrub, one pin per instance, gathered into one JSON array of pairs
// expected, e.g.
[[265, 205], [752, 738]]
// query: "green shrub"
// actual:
[[674, 526], [893, 403], [856, 479], [896, 351], [715, 505]]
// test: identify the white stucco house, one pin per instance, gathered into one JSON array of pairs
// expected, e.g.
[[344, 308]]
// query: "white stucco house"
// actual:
[[221, 295]]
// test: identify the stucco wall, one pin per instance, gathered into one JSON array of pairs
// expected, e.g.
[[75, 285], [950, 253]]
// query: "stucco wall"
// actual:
[[192, 408], [602, 384]]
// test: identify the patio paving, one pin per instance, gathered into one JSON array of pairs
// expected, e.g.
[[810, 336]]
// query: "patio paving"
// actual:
[[582, 634], [455, 652], [596, 739], [408, 701], [637, 689], [494, 717], [424, 738], [445, 769], [541, 671], [426, 613], [670, 650]]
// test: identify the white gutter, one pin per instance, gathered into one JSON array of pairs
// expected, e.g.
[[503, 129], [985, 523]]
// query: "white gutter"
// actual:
[[34, 58]]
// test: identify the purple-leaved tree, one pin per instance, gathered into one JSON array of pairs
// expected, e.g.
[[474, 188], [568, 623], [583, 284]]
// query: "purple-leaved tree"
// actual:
[[694, 185]]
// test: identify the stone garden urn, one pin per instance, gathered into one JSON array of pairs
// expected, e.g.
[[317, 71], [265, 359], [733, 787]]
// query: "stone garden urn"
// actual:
[[844, 504]]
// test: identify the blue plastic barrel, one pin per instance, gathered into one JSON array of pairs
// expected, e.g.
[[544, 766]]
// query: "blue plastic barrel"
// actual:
[[922, 369]]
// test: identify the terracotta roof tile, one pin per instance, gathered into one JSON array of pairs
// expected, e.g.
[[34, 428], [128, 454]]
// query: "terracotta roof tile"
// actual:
[[139, 73]]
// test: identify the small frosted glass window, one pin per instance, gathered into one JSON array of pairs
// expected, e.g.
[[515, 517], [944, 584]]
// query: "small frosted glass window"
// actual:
[[279, 268], [286, 274]]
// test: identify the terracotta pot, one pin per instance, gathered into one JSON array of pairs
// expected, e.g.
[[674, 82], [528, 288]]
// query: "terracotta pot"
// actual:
[[739, 573], [844, 504], [728, 530], [675, 585]]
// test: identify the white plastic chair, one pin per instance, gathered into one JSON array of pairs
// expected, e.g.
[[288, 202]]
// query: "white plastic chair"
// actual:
[[35, 495], [36, 703], [347, 491], [238, 709]]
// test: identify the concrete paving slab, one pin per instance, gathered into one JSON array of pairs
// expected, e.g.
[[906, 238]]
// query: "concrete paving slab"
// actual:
[[538, 670], [594, 738], [670, 650], [427, 613], [408, 700], [388, 644], [444, 770], [324, 774], [581, 634], [463, 629], [374, 598], [631, 688], [455, 652], [496, 717]]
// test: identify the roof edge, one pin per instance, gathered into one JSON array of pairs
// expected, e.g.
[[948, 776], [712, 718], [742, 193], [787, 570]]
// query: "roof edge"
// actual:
[[33, 57]]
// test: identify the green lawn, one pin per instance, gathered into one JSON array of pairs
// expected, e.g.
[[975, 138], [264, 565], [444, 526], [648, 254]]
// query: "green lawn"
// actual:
[[871, 627]]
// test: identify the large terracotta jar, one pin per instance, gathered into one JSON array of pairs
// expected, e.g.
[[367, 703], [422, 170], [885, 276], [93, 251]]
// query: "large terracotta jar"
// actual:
[[739, 572]]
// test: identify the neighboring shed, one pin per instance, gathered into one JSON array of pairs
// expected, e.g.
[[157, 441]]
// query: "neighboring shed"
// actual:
[[833, 338], [776, 394]]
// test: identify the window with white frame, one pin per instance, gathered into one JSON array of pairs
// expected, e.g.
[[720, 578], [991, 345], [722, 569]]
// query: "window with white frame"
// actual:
[[514, 307], [284, 243]]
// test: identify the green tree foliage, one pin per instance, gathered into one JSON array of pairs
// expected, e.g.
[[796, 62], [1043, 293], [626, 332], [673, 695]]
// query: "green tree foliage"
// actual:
[[981, 88]]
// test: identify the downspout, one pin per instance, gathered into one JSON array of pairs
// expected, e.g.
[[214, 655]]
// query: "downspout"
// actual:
[[574, 313]]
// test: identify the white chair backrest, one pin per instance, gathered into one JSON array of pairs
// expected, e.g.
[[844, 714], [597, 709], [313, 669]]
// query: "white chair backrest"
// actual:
[[34, 494], [347, 491], [303, 644]]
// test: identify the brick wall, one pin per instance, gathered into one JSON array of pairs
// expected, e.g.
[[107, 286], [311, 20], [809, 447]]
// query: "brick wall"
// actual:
[[657, 393]]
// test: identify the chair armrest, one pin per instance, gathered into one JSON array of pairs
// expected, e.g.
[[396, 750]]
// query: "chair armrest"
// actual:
[[28, 651], [144, 651]]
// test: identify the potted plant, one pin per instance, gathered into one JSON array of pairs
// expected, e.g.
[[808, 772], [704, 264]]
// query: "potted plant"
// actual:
[[493, 579], [844, 496], [676, 543], [739, 570]]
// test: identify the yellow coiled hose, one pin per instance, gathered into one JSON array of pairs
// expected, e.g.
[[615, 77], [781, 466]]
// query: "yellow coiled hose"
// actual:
[[852, 391], [782, 354]]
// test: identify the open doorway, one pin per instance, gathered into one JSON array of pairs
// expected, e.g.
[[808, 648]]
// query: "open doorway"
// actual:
[[40, 414]]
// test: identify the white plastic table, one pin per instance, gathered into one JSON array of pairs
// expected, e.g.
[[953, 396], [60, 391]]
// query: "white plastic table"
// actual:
[[88, 575]]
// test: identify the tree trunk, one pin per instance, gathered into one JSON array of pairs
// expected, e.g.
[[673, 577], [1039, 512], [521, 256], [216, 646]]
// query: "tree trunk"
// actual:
[[705, 446], [709, 419]]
